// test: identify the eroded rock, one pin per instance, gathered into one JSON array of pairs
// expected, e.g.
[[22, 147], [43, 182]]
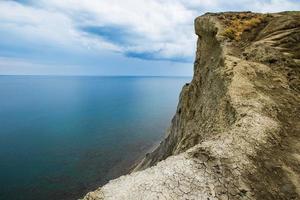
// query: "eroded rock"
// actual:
[[236, 132]]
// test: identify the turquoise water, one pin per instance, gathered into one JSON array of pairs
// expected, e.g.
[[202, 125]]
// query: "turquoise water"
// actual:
[[63, 136]]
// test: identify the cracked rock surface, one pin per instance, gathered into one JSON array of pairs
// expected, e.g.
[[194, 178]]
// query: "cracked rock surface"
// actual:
[[236, 131]]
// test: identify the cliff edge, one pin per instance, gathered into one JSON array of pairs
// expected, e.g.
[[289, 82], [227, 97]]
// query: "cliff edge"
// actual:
[[236, 131]]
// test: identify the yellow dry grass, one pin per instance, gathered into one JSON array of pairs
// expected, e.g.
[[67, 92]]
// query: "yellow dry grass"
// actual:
[[236, 24]]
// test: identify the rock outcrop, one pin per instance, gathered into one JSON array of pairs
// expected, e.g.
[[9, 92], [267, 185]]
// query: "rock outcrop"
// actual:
[[236, 131]]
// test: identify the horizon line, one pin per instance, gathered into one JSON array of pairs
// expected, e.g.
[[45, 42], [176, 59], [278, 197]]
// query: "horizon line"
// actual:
[[86, 75]]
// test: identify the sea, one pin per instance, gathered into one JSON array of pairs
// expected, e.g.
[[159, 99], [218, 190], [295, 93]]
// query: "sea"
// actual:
[[62, 136]]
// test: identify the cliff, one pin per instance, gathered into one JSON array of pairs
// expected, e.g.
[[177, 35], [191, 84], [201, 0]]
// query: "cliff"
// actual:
[[236, 131]]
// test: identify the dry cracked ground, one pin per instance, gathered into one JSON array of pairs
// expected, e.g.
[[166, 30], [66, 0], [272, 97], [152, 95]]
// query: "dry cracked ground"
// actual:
[[236, 131]]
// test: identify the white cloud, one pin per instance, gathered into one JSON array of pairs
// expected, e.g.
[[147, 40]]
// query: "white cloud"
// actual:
[[276, 5], [39, 25], [163, 26], [35, 23]]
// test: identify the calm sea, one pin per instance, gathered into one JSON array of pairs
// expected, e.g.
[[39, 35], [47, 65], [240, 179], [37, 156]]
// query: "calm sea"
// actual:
[[63, 136]]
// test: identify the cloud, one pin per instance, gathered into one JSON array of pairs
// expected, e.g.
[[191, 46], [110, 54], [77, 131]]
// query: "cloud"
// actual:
[[140, 26], [155, 56], [151, 26], [114, 34], [144, 29]]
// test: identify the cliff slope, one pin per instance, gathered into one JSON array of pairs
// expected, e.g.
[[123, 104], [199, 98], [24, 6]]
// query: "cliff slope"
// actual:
[[236, 131]]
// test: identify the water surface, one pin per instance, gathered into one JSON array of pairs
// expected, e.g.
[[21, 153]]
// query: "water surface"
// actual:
[[63, 136]]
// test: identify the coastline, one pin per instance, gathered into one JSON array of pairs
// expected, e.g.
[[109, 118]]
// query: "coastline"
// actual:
[[121, 169], [140, 159]]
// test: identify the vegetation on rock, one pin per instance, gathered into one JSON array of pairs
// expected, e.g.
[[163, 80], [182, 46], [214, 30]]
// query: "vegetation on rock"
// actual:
[[237, 24]]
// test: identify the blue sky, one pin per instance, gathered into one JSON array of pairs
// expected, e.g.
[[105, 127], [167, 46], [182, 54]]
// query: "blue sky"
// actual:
[[108, 37]]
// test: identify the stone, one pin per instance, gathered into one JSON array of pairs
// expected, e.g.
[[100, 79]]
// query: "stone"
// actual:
[[236, 123]]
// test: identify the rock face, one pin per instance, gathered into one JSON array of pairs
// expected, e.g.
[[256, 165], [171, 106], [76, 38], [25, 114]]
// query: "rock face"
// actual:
[[236, 131]]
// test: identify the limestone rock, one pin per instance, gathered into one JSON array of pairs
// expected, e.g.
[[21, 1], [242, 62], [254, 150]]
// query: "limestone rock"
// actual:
[[236, 131]]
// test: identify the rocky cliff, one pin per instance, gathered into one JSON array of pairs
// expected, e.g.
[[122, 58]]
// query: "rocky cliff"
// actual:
[[236, 131]]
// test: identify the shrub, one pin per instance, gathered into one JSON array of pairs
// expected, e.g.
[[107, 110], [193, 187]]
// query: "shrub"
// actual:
[[229, 33], [235, 25], [252, 23]]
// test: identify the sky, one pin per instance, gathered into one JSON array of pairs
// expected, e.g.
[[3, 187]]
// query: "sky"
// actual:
[[108, 37]]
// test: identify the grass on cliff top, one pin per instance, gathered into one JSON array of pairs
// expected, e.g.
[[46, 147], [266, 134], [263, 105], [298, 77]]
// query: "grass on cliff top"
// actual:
[[291, 12], [237, 24]]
